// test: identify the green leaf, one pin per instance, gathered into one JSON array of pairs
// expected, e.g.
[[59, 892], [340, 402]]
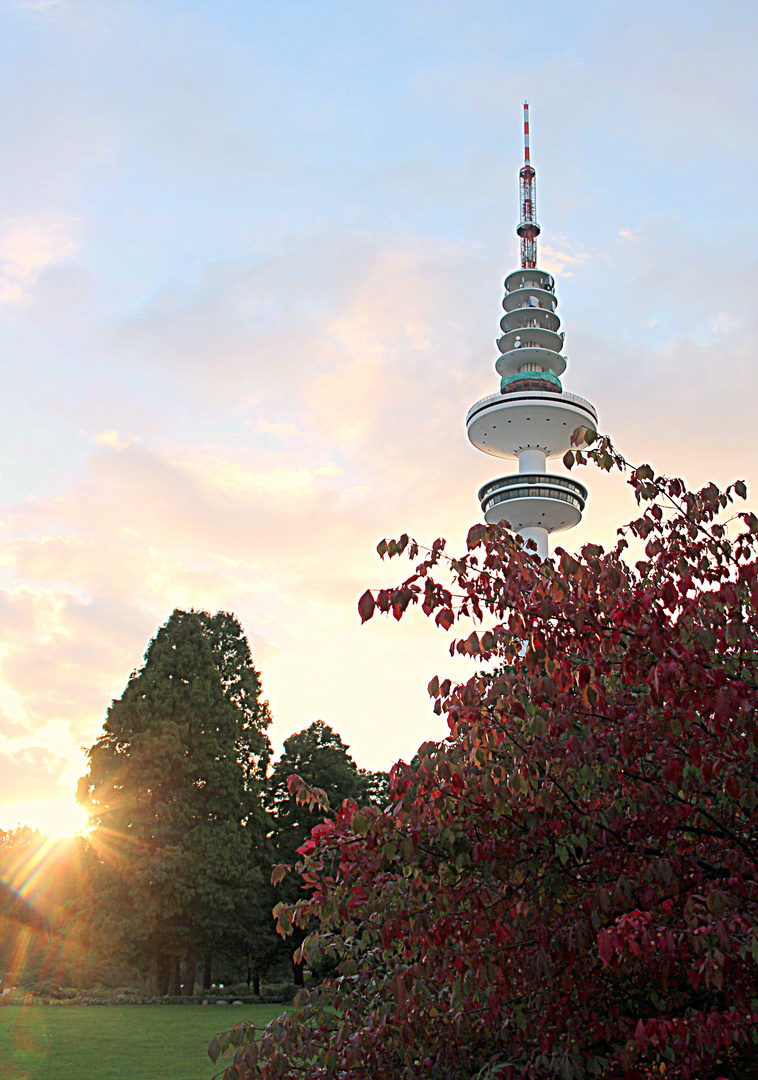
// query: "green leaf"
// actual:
[[214, 1050]]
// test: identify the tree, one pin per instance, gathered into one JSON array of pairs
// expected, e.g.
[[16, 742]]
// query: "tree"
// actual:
[[174, 794], [318, 756], [567, 885]]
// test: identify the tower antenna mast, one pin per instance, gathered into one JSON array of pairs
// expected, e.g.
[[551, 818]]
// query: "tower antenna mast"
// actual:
[[528, 229]]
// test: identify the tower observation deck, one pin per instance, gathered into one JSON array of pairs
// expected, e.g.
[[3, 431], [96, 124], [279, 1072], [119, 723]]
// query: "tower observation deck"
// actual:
[[532, 418]]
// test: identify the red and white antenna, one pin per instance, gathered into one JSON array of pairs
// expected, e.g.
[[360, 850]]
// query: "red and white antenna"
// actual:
[[528, 229]]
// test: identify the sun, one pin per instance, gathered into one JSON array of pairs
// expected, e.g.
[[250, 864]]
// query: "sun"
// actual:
[[57, 818]]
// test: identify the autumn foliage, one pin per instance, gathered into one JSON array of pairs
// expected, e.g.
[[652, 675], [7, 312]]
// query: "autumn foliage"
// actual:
[[568, 884]]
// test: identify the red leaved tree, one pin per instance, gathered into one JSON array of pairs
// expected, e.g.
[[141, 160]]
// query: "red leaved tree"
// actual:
[[568, 884]]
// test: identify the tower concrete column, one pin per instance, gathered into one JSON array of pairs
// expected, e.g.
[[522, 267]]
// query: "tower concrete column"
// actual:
[[531, 461], [534, 532]]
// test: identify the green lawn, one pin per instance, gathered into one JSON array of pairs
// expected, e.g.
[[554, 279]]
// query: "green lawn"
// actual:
[[127, 1042]]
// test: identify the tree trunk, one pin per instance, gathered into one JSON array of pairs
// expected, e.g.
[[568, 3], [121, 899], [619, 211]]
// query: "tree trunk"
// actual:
[[176, 976], [257, 983], [207, 964], [297, 973], [163, 972], [190, 968]]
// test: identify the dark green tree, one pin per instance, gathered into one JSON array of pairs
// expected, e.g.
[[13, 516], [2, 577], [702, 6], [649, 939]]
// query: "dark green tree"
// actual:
[[319, 757], [174, 790]]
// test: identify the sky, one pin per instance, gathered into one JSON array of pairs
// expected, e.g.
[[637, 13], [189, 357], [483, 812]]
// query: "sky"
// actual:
[[251, 265]]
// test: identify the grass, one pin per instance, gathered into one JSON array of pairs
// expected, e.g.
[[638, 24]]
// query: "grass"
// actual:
[[117, 1042]]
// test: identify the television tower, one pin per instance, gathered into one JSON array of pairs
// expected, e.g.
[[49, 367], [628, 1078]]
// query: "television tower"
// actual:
[[532, 418]]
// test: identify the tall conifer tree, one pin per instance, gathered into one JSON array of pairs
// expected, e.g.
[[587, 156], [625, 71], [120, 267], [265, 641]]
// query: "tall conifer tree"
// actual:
[[173, 791]]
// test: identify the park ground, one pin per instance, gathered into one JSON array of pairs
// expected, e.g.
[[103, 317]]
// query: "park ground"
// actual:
[[141, 1042]]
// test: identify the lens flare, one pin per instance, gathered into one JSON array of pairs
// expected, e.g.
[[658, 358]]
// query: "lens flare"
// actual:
[[38, 875]]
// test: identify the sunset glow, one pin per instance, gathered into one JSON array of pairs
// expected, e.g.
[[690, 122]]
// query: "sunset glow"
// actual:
[[251, 266], [56, 818]]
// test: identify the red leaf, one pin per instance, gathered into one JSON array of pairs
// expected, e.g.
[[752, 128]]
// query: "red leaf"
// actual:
[[279, 873], [639, 1035], [366, 606], [471, 644]]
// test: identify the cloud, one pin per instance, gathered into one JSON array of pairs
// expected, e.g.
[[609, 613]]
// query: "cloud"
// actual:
[[41, 7], [110, 438], [281, 530], [9, 727], [557, 261], [28, 246], [279, 431], [72, 656], [30, 774]]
